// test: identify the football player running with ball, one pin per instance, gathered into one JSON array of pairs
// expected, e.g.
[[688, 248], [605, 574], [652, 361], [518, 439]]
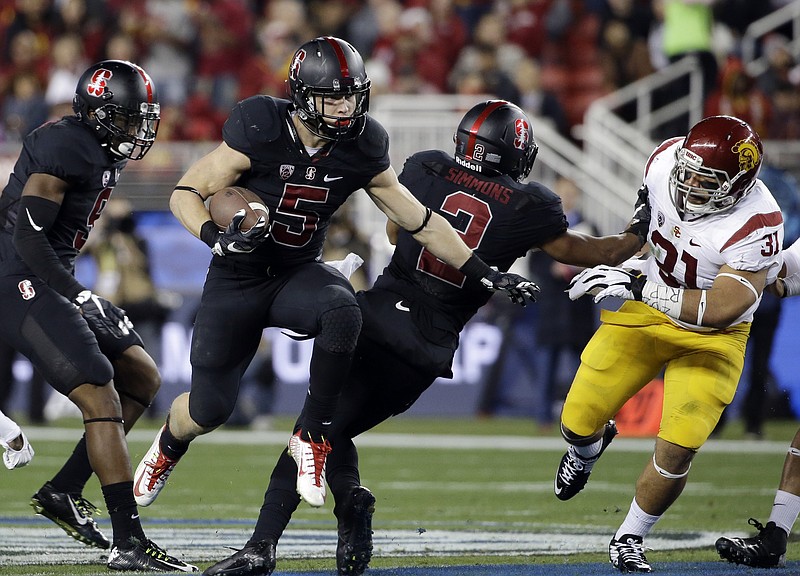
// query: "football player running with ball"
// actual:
[[304, 157], [715, 241], [414, 313], [83, 345]]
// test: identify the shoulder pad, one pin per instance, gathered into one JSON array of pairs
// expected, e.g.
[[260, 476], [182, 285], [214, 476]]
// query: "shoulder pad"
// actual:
[[258, 119], [373, 141]]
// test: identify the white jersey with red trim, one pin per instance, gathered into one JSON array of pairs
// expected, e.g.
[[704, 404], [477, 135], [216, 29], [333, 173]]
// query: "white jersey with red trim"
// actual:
[[690, 253]]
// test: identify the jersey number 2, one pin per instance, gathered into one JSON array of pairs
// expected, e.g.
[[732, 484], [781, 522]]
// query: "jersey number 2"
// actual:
[[478, 214]]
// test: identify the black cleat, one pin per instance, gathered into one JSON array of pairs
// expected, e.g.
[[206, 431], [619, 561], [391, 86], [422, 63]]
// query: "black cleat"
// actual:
[[627, 554], [147, 557], [255, 559], [572, 473], [72, 513], [354, 550], [765, 550]]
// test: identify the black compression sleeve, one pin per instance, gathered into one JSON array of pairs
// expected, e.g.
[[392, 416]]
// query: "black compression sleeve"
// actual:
[[475, 268], [36, 216]]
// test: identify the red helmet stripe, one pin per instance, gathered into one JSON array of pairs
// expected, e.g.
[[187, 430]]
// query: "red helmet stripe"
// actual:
[[148, 84], [473, 132], [337, 49]]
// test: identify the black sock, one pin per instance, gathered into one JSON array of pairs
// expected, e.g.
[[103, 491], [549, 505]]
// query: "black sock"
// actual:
[[75, 472], [280, 501], [171, 446], [123, 513]]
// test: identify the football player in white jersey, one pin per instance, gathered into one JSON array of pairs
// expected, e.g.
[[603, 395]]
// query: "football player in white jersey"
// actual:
[[715, 242], [767, 549]]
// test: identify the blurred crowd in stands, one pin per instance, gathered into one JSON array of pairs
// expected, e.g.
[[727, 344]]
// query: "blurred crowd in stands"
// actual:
[[553, 57]]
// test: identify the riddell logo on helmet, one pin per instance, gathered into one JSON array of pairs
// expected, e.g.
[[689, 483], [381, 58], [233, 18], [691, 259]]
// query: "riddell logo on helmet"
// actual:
[[468, 164], [99, 82]]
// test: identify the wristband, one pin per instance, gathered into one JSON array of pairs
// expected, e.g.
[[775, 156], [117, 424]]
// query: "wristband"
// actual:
[[791, 285], [663, 298], [475, 268], [701, 307], [209, 232], [425, 221]]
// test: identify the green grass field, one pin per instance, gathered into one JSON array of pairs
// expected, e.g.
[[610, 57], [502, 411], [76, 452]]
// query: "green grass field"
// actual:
[[478, 484]]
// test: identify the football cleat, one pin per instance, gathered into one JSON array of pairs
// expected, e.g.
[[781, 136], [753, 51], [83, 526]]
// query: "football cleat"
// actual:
[[255, 559], [765, 550], [573, 471], [145, 556], [152, 473], [310, 459], [354, 550], [627, 554], [72, 513]]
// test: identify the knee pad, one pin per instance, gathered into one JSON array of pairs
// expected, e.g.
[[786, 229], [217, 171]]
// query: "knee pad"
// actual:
[[211, 411], [340, 326]]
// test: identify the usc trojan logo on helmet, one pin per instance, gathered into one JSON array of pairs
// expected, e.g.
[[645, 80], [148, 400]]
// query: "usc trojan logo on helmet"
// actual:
[[99, 82], [748, 154], [520, 134], [294, 69]]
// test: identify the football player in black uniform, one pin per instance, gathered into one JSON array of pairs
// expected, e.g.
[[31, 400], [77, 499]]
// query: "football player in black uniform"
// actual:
[[414, 313], [304, 158], [82, 344]]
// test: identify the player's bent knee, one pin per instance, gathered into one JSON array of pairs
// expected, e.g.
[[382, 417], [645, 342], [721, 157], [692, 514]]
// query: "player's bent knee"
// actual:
[[210, 413], [339, 329]]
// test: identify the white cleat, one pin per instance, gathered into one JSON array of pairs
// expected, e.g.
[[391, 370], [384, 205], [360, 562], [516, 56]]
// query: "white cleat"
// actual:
[[310, 459], [152, 473]]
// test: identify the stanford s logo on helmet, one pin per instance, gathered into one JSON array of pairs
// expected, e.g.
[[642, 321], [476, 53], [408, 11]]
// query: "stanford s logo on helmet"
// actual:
[[119, 101], [723, 156], [496, 137], [329, 67]]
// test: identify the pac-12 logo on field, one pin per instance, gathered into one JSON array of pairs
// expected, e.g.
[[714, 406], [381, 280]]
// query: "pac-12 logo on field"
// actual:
[[26, 289]]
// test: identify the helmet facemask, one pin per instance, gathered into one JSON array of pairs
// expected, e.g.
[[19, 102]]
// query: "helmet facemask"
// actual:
[[315, 111], [130, 133], [713, 192]]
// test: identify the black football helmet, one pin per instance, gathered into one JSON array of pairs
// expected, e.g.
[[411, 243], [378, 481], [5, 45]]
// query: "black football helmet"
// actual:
[[725, 155], [328, 67], [496, 137], [119, 101]]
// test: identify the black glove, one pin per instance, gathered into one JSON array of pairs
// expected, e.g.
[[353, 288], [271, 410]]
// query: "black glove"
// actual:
[[103, 318], [235, 241], [517, 287], [640, 222]]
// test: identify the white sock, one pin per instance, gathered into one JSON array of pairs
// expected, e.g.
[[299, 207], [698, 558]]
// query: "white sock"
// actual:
[[590, 451], [785, 509], [637, 522]]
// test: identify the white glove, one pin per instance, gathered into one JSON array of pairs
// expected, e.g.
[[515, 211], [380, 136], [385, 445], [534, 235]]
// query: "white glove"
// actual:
[[350, 264], [606, 281], [17, 458]]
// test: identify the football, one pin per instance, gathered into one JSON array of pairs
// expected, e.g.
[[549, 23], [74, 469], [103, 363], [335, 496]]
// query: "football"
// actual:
[[227, 202]]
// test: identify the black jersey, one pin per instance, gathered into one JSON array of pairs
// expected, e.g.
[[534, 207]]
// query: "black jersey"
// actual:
[[497, 217], [302, 192], [69, 150]]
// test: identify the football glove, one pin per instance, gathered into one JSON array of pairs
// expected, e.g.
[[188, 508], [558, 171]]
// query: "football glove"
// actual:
[[515, 286], [640, 222], [17, 458], [236, 241], [606, 281], [103, 318]]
